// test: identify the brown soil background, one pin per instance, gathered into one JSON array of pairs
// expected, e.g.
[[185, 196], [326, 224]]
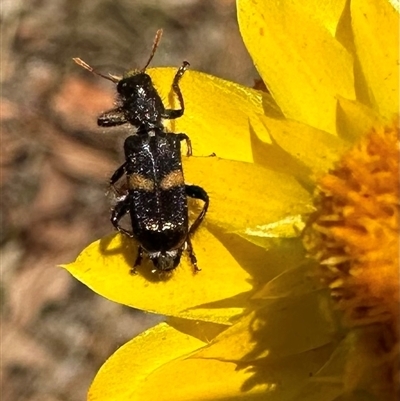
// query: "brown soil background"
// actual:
[[55, 164]]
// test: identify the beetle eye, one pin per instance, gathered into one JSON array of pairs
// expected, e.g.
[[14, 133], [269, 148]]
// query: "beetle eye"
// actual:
[[124, 87]]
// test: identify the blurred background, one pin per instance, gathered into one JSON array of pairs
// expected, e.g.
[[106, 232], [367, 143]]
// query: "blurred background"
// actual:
[[55, 164]]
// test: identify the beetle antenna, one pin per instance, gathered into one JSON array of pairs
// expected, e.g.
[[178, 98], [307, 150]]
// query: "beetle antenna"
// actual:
[[86, 66], [157, 39]]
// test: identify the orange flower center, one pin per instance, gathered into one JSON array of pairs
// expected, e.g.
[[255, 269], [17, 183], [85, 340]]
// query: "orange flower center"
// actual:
[[355, 232], [354, 235]]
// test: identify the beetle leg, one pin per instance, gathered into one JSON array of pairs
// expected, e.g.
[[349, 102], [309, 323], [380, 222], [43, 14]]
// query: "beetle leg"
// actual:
[[170, 113], [192, 256], [119, 211], [112, 118], [196, 192], [139, 257], [184, 137]]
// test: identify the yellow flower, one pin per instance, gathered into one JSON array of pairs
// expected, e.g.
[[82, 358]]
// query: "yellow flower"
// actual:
[[254, 323]]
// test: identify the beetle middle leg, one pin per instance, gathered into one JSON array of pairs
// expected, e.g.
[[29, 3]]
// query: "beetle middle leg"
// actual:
[[119, 211], [184, 137], [121, 170]]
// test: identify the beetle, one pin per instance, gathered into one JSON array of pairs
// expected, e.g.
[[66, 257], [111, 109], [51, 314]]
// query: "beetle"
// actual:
[[156, 194]]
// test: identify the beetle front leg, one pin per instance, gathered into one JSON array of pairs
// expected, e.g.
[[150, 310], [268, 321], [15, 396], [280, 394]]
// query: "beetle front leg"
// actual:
[[170, 113], [112, 118]]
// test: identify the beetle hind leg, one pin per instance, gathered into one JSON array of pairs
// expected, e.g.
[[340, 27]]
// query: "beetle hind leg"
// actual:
[[196, 192], [192, 256]]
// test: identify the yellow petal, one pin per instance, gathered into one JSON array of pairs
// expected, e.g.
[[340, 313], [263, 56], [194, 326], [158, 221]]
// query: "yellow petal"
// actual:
[[280, 328], [303, 65], [287, 227], [293, 281], [204, 331], [262, 263], [105, 266], [260, 357], [123, 375], [376, 35], [355, 119], [327, 13], [244, 196], [277, 255], [269, 154], [212, 379], [216, 114], [200, 380], [223, 370], [395, 4], [315, 149]]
